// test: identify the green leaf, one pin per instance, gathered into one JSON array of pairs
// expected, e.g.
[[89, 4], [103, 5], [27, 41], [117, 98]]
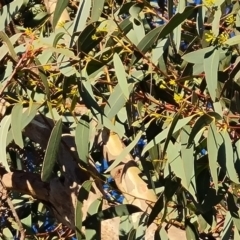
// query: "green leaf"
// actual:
[[233, 41], [136, 21], [51, 151], [88, 98], [191, 231], [82, 135], [160, 32], [116, 101], [125, 26], [177, 33], [170, 131], [215, 22], [158, 51], [101, 59], [187, 156], [97, 9], [213, 143], [146, 43], [227, 227], [202, 122], [161, 235], [6, 39], [81, 18], [236, 234], [16, 124], [196, 56], [86, 92], [8, 11], [157, 208], [229, 159], [43, 78], [26, 117], [121, 75], [57, 37], [29, 114], [162, 135], [175, 163], [85, 41], [4, 127], [4, 50], [210, 64], [7, 233], [170, 8], [132, 234], [60, 7], [125, 226], [82, 196], [95, 206], [125, 152], [112, 212]]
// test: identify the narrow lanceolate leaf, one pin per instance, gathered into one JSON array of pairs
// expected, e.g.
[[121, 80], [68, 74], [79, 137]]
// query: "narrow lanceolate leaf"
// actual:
[[4, 126], [8, 11], [162, 135], [81, 18], [51, 151], [170, 132], [229, 158], [137, 21], [227, 227], [160, 32], [13, 39], [210, 64], [187, 156], [57, 37], [82, 134], [6, 39], [82, 196], [60, 7], [16, 124], [157, 208], [202, 122], [121, 74], [26, 117], [161, 234], [86, 42], [215, 22], [146, 43], [233, 41], [213, 143], [125, 152], [29, 114], [112, 212], [177, 31], [97, 9], [191, 231], [43, 78], [94, 233], [116, 101]]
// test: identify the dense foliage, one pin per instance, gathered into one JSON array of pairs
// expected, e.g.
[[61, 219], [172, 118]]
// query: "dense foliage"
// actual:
[[163, 76]]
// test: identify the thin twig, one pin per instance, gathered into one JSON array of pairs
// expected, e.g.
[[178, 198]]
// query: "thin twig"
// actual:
[[15, 215]]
